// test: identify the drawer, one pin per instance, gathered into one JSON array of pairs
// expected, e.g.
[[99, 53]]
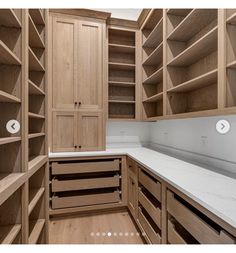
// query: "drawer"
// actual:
[[195, 225], [84, 184], [173, 235], [148, 229], [85, 200], [132, 167], [60, 168], [152, 210], [150, 183]]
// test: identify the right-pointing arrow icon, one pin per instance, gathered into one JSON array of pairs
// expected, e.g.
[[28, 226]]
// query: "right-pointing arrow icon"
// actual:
[[222, 126]]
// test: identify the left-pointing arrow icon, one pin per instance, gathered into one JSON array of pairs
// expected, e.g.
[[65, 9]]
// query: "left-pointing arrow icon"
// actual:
[[13, 126]]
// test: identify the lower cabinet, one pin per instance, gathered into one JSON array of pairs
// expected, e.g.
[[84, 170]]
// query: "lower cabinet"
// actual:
[[77, 131]]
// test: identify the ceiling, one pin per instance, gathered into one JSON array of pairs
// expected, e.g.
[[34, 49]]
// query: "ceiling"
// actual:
[[130, 14]]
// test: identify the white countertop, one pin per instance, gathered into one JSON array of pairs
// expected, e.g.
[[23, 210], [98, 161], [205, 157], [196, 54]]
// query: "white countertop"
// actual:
[[212, 190]]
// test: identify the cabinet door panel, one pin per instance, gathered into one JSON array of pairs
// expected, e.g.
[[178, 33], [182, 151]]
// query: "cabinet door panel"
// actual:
[[132, 195], [90, 131], [64, 131], [64, 63], [90, 65]]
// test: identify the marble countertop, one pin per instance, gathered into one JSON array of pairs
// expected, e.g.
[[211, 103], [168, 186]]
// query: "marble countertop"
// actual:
[[212, 190]]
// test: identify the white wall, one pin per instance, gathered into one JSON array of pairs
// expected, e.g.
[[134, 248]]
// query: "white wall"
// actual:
[[197, 135]]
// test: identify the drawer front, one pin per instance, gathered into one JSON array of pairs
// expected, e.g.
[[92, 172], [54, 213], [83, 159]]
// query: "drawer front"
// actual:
[[173, 236], [84, 167], [198, 228], [153, 186], [85, 200], [85, 184], [147, 228], [132, 167], [153, 211]]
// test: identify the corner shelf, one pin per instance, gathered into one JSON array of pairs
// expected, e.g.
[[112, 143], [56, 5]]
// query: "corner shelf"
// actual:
[[155, 77], [7, 56], [8, 233], [34, 89], [179, 12], [155, 57], [231, 65], [154, 98], [36, 227], [35, 39], [232, 19], [35, 115], [34, 197], [34, 63], [7, 140], [37, 16], [8, 98], [8, 18], [36, 135]]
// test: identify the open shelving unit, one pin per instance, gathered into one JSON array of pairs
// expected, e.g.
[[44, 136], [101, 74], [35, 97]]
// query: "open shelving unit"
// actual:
[[122, 74], [230, 57], [192, 60], [152, 65]]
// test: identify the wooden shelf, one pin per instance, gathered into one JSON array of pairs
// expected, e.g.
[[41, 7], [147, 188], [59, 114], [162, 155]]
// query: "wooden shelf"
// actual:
[[117, 48], [34, 89], [8, 98], [196, 83], [156, 77], [36, 163], [8, 18], [6, 140], [121, 66], [231, 65], [34, 63], [156, 36], [35, 115], [36, 135], [188, 28], [121, 117], [179, 12], [121, 101], [202, 47], [232, 19], [9, 183], [37, 16], [7, 56], [9, 233], [34, 197], [155, 57], [121, 84], [36, 228], [154, 98], [35, 39]]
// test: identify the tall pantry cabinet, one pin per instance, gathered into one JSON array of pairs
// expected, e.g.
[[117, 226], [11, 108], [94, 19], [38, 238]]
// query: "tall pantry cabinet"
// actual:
[[77, 72]]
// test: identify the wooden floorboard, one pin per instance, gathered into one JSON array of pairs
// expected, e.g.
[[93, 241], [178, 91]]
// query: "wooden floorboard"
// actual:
[[107, 228]]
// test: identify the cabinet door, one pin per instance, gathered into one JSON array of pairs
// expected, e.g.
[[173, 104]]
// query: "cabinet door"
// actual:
[[90, 65], [90, 131], [132, 195], [64, 131], [64, 63]]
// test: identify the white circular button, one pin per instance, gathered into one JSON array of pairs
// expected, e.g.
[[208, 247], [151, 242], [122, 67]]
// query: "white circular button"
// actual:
[[222, 126], [13, 126]]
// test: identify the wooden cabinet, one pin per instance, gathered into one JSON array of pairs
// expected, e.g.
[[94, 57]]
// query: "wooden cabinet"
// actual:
[[77, 81], [77, 131]]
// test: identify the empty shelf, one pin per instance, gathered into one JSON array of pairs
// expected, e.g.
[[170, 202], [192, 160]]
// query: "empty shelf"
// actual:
[[6, 97], [155, 57], [8, 18], [121, 101], [9, 183], [36, 163], [34, 197], [36, 135], [7, 56], [8, 233], [232, 65], [121, 84], [116, 48], [232, 19], [188, 28], [35, 39], [34, 63], [35, 115], [202, 47], [154, 98], [156, 77], [121, 66], [37, 16], [196, 83], [34, 89], [36, 228], [156, 36], [6, 140], [179, 12]]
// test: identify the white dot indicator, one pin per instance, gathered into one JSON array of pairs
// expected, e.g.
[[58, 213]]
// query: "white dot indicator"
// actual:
[[13, 126], [222, 126], [109, 234]]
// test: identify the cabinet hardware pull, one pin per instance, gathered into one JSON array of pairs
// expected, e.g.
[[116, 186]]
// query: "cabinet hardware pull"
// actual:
[[75, 103], [75, 146], [80, 146], [80, 103]]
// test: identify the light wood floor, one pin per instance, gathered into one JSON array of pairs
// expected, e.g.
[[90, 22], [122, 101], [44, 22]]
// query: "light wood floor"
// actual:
[[107, 228]]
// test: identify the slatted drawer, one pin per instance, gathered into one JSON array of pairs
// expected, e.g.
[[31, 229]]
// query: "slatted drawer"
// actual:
[[173, 235], [152, 235], [82, 184], [150, 183], [195, 225], [152, 210], [85, 200], [60, 168]]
